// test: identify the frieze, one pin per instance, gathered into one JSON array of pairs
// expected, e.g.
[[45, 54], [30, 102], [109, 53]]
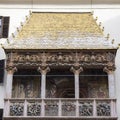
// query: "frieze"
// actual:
[[62, 59]]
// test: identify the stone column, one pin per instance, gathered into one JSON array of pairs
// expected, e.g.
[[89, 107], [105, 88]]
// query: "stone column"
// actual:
[[9, 81], [43, 72], [76, 72], [111, 82]]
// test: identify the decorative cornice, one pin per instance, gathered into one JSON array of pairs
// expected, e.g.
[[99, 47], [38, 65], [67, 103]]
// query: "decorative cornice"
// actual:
[[43, 59]]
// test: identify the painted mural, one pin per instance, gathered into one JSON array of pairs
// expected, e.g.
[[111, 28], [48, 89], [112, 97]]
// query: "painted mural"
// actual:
[[26, 87]]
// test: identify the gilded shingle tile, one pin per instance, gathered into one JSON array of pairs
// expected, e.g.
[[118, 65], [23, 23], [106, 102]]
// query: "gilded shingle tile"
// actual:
[[60, 31]]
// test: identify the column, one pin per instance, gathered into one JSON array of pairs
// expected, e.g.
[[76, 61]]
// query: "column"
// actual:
[[111, 82], [76, 72], [9, 81], [43, 72]]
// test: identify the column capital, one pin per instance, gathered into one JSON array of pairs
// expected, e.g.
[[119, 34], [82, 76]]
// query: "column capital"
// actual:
[[109, 70], [43, 70], [11, 69], [77, 70]]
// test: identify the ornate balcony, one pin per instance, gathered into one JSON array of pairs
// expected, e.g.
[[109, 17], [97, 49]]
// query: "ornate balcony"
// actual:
[[88, 108]]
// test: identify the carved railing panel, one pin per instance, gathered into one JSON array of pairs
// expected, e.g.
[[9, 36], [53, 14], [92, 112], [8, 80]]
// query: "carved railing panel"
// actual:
[[60, 107], [68, 108], [86, 108], [34, 109], [51, 108], [16, 108], [103, 108]]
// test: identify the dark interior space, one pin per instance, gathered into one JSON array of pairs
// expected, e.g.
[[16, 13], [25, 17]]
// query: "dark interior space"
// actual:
[[1, 70], [1, 114], [60, 83]]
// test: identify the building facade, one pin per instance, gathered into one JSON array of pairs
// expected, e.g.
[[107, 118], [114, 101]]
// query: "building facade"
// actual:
[[60, 65]]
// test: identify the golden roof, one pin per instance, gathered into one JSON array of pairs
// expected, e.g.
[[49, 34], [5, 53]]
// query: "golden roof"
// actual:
[[59, 31]]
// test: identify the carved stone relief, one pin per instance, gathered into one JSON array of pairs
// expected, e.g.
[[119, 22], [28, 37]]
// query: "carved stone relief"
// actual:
[[86, 59], [16, 109], [34, 109], [68, 108], [86, 109], [103, 109], [51, 108]]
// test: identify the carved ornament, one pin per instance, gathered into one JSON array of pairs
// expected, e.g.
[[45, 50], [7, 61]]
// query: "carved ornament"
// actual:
[[109, 69], [76, 70], [11, 68], [43, 70], [84, 59]]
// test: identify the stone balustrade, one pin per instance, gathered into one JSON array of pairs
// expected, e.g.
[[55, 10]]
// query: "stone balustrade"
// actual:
[[60, 107]]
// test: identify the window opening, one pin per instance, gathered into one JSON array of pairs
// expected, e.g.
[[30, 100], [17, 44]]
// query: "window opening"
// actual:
[[26, 84], [93, 84], [60, 84]]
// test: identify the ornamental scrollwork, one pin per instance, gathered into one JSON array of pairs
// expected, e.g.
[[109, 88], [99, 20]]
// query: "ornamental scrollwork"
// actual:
[[103, 109], [34, 109], [86, 109], [16, 109]]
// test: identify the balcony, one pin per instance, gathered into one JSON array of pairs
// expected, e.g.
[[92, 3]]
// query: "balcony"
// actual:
[[54, 108]]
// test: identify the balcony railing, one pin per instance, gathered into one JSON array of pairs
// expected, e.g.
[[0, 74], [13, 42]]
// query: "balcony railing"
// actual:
[[60, 108]]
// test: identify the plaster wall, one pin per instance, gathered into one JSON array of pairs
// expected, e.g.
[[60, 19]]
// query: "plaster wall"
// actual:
[[109, 15]]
